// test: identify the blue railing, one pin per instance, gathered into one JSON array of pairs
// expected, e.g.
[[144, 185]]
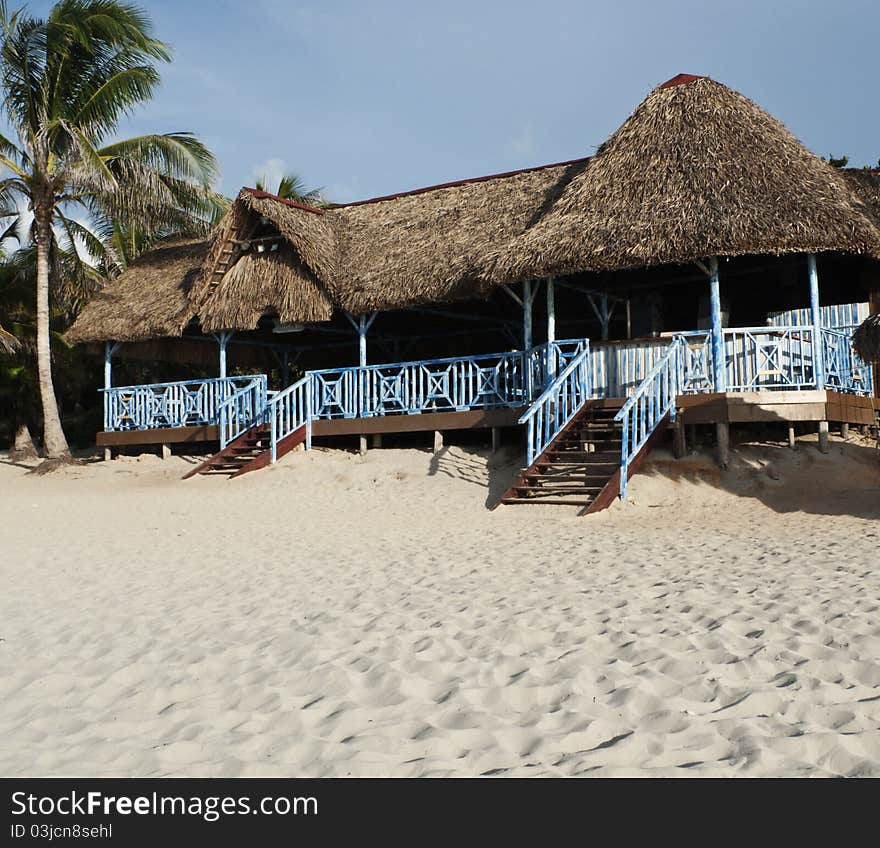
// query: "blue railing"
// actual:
[[761, 358], [558, 403], [187, 403], [289, 410], [242, 410], [845, 371], [648, 405], [431, 385]]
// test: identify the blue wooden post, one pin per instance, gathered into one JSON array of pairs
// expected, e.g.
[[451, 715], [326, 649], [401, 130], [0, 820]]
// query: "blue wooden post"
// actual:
[[551, 325], [816, 320], [718, 357], [527, 314], [362, 340], [605, 317], [223, 340], [551, 309], [109, 349]]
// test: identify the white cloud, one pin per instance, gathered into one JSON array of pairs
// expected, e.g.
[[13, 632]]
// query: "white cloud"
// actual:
[[271, 171], [523, 142]]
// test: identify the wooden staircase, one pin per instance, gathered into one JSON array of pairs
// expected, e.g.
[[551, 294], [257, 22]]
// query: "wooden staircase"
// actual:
[[250, 451], [577, 465]]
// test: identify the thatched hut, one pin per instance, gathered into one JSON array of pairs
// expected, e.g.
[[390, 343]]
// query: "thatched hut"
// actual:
[[866, 339], [697, 170]]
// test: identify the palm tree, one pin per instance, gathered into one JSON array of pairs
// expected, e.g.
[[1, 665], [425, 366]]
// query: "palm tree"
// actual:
[[291, 187], [67, 82]]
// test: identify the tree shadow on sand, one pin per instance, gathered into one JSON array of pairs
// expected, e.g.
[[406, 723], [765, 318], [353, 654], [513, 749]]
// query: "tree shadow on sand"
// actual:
[[493, 471]]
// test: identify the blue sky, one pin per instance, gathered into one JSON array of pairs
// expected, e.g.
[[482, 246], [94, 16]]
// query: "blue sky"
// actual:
[[369, 98]]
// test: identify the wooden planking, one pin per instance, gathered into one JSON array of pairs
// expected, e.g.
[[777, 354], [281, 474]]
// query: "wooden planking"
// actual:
[[850, 409], [160, 436], [770, 406], [471, 419]]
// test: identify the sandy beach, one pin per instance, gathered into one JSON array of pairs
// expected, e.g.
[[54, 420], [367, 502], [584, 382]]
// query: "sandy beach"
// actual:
[[346, 615]]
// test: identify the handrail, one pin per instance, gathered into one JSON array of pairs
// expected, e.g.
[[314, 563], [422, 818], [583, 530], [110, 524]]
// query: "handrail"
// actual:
[[557, 404], [651, 401], [289, 410], [242, 410], [205, 381]]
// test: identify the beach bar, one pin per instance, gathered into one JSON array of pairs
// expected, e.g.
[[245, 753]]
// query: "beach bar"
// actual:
[[703, 267]]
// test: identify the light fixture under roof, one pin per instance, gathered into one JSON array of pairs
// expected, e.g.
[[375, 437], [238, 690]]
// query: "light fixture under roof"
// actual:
[[287, 328]]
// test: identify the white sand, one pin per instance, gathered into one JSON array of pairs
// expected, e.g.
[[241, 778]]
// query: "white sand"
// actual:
[[338, 615]]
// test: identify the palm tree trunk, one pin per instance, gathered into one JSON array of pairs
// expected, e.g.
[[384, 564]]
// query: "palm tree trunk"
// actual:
[[54, 441], [23, 446]]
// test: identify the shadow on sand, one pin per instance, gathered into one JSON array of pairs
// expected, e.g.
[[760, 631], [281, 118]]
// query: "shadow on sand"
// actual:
[[494, 471], [845, 481]]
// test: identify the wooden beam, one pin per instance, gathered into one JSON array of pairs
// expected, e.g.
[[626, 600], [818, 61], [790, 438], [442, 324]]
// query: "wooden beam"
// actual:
[[163, 436], [471, 420]]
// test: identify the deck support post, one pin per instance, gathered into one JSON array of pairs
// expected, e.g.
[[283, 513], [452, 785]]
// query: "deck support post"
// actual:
[[722, 430], [165, 451], [823, 437], [551, 325], [438, 441], [223, 340], [679, 439], [362, 445], [606, 317], [496, 439], [108, 454], [791, 437], [718, 358], [816, 321], [109, 349], [377, 440], [844, 431], [361, 325], [527, 300]]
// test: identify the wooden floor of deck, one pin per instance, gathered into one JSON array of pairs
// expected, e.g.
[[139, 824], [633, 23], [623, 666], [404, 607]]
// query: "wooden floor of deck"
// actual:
[[731, 407]]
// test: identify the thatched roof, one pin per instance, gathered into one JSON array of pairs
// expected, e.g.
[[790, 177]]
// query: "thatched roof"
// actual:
[[866, 339], [866, 184], [276, 283], [697, 170], [419, 247], [310, 229], [413, 248], [150, 299]]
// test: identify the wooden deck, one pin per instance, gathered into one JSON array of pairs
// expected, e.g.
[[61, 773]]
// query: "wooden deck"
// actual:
[[731, 407], [769, 406]]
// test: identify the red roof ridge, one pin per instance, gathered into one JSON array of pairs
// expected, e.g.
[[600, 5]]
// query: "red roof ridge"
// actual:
[[259, 193], [681, 79], [460, 183]]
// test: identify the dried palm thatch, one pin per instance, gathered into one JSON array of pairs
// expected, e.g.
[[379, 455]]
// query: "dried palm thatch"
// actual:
[[276, 283], [697, 170], [150, 299], [866, 339], [417, 248], [310, 229], [866, 184]]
